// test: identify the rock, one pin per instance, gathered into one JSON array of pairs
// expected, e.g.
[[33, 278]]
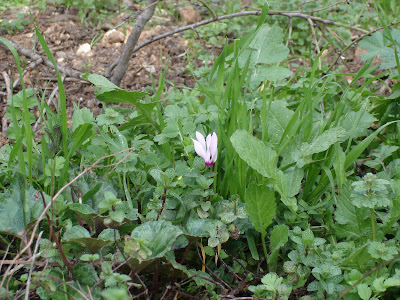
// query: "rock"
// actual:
[[84, 50], [189, 15], [112, 37], [61, 56], [150, 68]]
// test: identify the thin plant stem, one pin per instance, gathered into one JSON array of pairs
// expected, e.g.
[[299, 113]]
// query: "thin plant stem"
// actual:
[[57, 241], [373, 225], [163, 203], [264, 246]]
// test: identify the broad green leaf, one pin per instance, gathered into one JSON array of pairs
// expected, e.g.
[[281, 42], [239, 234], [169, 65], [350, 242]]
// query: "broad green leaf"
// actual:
[[320, 144], [270, 73], [76, 232], [255, 153], [260, 206], [113, 293], [265, 48], [293, 181], [102, 82], [85, 274], [81, 134], [358, 259], [360, 128], [17, 99], [379, 45], [352, 223], [285, 187], [198, 228], [278, 117], [80, 237], [364, 291], [327, 138], [279, 238], [375, 44], [109, 235], [20, 205], [82, 116], [122, 96], [158, 236]]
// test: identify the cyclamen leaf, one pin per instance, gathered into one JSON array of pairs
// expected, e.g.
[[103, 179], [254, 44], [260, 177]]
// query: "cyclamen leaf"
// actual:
[[158, 236], [19, 206], [76, 232], [260, 206]]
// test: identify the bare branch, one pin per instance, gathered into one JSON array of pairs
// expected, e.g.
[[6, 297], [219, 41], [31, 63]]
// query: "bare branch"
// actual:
[[45, 61], [123, 61], [245, 13]]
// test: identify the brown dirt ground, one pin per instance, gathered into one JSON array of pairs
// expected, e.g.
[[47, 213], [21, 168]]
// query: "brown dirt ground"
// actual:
[[64, 34]]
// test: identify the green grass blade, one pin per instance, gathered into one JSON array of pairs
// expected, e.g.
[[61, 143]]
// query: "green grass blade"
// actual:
[[61, 92], [25, 114]]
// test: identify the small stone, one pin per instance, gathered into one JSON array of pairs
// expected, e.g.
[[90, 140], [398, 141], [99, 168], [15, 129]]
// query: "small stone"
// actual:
[[65, 36], [150, 68], [189, 15], [60, 55], [84, 50], [112, 37]]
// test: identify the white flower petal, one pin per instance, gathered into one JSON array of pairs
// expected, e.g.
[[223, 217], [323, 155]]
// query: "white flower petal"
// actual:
[[200, 150], [208, 141], [214, 147], [200, 139]]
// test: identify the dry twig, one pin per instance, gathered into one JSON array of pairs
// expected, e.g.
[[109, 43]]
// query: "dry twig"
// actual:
[[45, 61], [28, 282]]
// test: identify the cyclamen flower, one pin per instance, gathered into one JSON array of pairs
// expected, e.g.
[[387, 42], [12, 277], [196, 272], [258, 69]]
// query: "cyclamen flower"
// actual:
[[206, 148]]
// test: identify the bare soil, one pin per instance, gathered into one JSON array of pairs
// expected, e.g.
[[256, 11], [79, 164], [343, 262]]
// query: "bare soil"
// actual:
[[64, 33]]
